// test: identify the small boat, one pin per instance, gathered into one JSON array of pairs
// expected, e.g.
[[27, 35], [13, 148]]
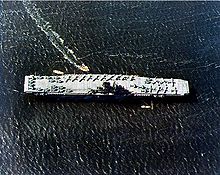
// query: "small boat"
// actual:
[[146, 107], [84, 68], [58, 72]]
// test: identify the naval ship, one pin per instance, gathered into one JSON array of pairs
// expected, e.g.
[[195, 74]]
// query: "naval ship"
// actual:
[[103, 86]]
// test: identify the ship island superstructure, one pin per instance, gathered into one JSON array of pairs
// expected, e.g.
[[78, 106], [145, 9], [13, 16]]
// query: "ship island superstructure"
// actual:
[[98, 85]]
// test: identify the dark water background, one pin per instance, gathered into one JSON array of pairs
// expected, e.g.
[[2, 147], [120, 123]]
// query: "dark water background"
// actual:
[[163, 39]]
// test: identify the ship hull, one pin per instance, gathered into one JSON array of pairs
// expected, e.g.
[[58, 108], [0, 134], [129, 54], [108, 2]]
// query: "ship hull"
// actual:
[[103, 87], [107, 98], [85, 97]]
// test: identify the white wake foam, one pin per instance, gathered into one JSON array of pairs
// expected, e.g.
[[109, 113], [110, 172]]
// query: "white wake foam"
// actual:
[[53, 36]]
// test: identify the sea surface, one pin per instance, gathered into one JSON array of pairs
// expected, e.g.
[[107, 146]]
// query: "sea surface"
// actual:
[[155, 39]]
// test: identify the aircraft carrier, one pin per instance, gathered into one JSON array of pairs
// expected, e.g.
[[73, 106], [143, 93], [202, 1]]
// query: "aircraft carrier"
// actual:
[[89, 86]]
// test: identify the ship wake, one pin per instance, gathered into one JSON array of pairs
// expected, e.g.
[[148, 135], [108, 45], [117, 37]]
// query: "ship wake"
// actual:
[[53, 36]]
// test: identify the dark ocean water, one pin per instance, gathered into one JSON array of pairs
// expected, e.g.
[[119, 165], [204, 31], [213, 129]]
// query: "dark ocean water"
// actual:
[[163, 39]]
